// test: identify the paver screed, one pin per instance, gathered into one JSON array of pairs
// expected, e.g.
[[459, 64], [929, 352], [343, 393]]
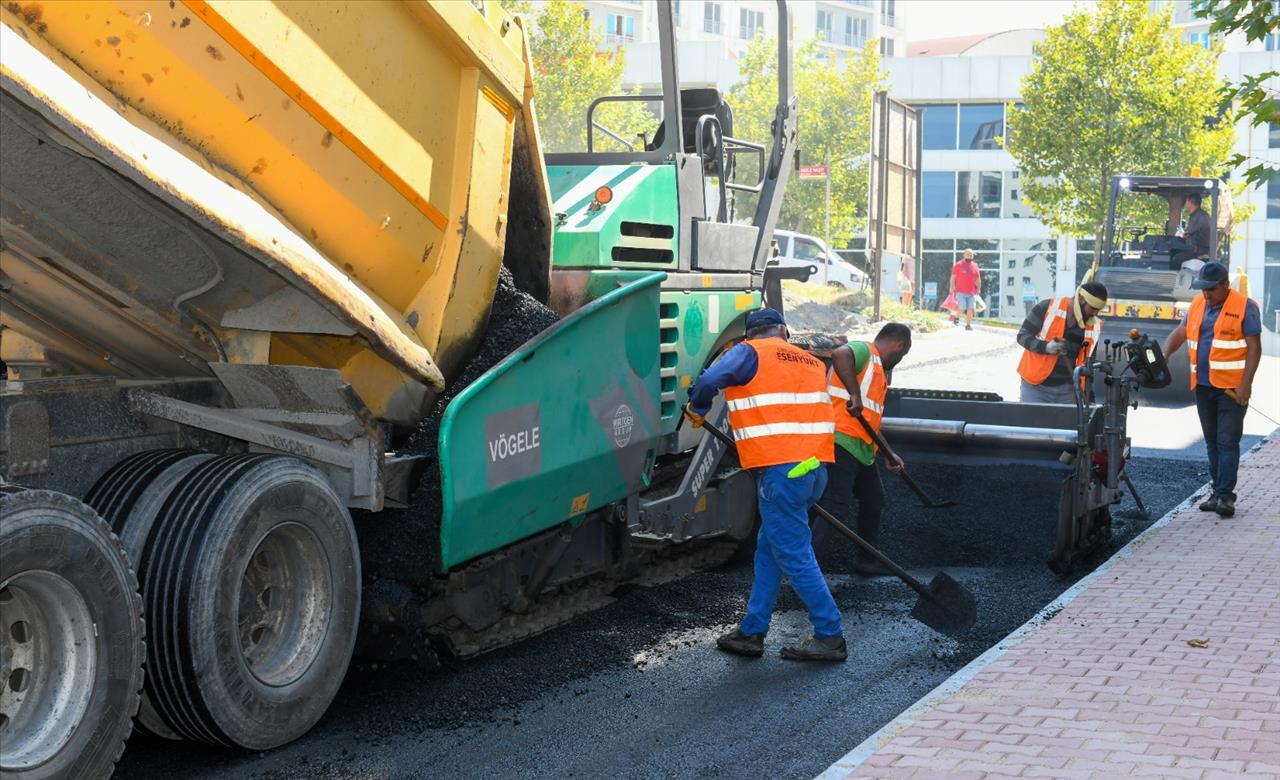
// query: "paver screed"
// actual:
[[1166, 664]]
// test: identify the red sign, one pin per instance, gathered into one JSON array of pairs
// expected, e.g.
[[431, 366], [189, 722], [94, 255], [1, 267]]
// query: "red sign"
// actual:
[[813, 171]]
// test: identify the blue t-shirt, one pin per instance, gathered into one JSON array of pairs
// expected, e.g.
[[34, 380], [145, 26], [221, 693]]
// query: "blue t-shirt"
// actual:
[[1252, 326], [735, 368]]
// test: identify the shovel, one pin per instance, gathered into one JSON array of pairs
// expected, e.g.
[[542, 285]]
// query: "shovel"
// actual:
[[945, 605], [928, 503]]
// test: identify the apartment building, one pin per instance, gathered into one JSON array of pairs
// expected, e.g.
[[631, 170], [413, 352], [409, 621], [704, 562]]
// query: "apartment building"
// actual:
[[712, 34], [971, 189]]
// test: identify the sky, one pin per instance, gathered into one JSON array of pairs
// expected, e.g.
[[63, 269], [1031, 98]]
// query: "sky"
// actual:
[[926, 19]]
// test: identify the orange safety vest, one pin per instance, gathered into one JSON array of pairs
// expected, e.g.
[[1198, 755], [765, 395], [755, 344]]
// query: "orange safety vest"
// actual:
[[783, 415], [1034, 367], [873, 385], [1228, 351]]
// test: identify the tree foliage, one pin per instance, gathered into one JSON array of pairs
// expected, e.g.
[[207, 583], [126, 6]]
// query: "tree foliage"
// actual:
[[834, 123], [1114, 90], [1255, 96], [569, 71]]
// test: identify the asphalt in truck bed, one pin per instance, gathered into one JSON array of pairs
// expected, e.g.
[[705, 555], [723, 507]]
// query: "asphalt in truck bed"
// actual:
[[637, 690]]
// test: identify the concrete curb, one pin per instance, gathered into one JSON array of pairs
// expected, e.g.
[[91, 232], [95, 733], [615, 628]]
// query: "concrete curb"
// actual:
[[854, 758]]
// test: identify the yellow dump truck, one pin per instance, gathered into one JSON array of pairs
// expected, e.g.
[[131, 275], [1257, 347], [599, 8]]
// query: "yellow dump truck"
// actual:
[[249, 259]]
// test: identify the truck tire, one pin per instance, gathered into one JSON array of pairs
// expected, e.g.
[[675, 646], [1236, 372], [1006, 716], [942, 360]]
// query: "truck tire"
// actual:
[[71, 639], [129, 497], [251, 582]]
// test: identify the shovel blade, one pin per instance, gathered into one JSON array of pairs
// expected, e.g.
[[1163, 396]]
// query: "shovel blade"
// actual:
[[948, 609]]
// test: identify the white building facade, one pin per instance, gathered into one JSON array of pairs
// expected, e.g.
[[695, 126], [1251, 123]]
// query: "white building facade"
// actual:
[[971, 188], [971, 193], [712, 34]]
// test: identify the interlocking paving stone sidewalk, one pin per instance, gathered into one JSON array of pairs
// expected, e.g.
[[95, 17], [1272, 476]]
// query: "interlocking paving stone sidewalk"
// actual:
[[1110, 687]]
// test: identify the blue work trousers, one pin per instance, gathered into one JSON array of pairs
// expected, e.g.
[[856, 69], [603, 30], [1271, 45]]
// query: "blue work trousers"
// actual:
[[785, 546], [1222, 420]]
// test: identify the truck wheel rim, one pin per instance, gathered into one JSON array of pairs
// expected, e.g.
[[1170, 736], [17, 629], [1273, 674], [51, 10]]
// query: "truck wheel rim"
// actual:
[[285, 604], [47, 664]]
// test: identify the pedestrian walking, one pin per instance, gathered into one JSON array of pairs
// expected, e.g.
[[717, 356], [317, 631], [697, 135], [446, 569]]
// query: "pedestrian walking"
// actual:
[[785, 434], [858, 383], [1223, 334], [966, 285], [1056, 337], [905, 288]]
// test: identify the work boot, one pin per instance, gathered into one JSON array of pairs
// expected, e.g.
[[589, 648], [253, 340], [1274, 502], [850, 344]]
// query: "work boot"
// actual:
[[826, 648], [1210, 504], [867, 566], [1226, 506], [738, 643]]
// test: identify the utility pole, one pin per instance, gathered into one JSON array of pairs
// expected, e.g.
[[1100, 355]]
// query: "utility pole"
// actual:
[[826, 227]]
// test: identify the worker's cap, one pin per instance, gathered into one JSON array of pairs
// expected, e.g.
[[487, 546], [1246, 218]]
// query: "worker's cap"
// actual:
[[763, 318], [1211, 274]]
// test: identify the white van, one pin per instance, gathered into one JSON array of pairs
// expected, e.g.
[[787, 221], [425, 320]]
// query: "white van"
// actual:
[[799, 249]]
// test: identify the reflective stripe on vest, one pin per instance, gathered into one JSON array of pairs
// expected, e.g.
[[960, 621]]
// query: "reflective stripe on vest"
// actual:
[[1228, 348], [873, 386], [774, 399], [783, 415], [1035, 367]]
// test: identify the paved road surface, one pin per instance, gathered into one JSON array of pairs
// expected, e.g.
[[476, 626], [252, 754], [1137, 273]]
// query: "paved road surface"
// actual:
[[634, 690]]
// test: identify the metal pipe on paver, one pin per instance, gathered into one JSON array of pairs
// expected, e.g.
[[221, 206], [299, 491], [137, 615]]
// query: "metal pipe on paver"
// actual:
[[960, 432]]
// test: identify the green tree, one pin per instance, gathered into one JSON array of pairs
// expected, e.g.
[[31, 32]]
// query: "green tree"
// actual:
[[834, 123], [570, 70], [1114, 90], [1255, 96]]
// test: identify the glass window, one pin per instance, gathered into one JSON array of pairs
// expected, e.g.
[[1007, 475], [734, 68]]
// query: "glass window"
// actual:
[[711, 17], [749, 23], [1049, 245], [807, 250], [1013, 204], [620, 29], [939, 243], [1273, 198], [1273, 139], [978, 194], [981, 125], [1084, 257], [886, 47], [824, 24], [1271, 288], [1202, 39], [939, 125], [939, 195]]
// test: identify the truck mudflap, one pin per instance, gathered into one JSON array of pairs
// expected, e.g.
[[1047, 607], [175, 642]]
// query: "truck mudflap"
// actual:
[[566, 424]]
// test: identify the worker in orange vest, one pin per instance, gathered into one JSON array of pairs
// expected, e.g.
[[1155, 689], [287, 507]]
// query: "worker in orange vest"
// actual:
[[1223, 333], [1057, 336], [783, 427], [858, 383]]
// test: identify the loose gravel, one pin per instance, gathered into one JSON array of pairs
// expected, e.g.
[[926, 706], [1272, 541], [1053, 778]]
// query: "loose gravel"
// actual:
[[403, 546], [635, 689]]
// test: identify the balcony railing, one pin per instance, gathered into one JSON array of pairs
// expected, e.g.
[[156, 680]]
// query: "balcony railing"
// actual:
[[889, 20], [617, 39], [711, 26]]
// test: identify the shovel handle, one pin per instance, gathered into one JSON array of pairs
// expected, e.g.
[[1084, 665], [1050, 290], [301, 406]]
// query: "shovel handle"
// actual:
[[866, 546], [884, 445]]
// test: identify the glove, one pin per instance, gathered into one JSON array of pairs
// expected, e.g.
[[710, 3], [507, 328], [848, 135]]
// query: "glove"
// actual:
[[695, 419], [1054, 347]]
